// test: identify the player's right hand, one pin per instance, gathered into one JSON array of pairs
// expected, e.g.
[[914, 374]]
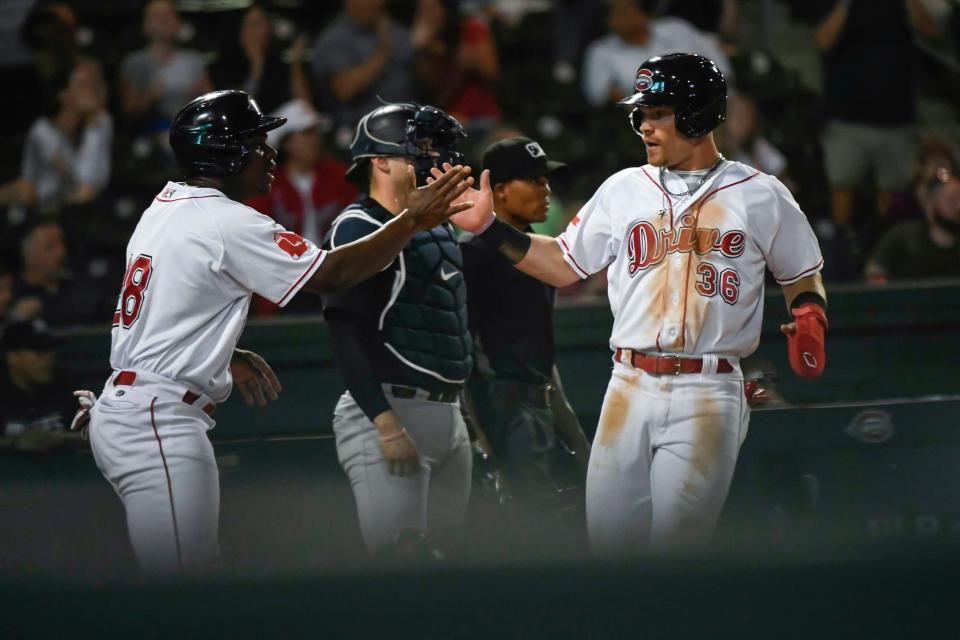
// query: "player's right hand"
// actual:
[[434, 203], [755, 394], [401, 456], [399, 451], [257, 382]]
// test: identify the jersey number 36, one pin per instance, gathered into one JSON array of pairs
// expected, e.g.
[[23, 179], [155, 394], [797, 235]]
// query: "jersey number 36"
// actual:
[[726, 283]]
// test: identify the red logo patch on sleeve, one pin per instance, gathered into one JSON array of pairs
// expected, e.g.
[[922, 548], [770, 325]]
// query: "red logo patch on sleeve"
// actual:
[[291, 243]]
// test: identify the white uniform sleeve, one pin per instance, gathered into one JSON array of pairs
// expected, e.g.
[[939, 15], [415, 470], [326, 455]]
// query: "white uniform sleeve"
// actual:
[[786, 240], [588, 243], [265, 258]]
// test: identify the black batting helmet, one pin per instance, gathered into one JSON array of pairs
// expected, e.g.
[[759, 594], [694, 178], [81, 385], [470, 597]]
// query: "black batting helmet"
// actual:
[[207, 134], [690, 83], [424, 133]]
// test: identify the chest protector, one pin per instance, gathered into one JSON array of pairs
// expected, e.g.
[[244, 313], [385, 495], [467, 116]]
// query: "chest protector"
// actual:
[[425, 321]]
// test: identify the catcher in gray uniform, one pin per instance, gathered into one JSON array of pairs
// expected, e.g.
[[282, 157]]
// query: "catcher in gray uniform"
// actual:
[[401, 342]]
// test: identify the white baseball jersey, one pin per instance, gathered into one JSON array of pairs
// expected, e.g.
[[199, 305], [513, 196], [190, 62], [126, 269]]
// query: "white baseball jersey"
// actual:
[[192, 263], [687, 274]]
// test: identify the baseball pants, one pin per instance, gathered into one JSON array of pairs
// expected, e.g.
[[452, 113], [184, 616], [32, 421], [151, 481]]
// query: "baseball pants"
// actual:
[[434, 500], [153, 449], [521, 434], [663, 458]]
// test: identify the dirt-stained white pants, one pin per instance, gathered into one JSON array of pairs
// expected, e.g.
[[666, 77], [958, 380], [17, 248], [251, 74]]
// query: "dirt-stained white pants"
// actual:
[[153, 449], [435, 499], [663, 458]]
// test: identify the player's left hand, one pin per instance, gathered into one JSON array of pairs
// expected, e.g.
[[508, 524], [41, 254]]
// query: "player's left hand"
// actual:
[[478, 217], [805, 340], [254, 378]]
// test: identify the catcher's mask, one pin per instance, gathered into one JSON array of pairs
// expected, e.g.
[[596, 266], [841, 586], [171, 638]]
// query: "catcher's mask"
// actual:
[[424, 133]]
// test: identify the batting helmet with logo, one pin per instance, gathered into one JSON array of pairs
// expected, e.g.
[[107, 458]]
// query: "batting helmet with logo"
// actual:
[[690, 83], [424, 133], [208, 135]]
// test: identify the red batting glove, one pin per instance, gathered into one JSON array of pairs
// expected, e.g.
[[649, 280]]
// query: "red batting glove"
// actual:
[[755, 394], [806, 337]]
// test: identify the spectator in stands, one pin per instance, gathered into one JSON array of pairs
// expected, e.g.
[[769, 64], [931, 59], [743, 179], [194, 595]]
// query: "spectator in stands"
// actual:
[[718, 18], [363, 54], [66, 156], [458, 65], [923, 249], [6, 292], [743, 141], [869, 91], [610, 64], [933, 155], [50, 30], [256, 65], [310, 188], [573, 27], [44, 288], [156, 81], [37, 403]]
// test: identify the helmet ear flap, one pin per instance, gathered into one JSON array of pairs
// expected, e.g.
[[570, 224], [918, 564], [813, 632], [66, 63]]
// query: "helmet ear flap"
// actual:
[[636, 120], [221, 158], [698, 123]]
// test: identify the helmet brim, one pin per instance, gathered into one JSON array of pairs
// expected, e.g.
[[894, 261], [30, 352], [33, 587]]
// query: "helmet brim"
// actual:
[[646, 99], [267, 123]]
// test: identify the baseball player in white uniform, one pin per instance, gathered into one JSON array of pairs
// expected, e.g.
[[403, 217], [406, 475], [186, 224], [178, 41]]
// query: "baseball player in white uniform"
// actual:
[[193, 262], [686, 240]]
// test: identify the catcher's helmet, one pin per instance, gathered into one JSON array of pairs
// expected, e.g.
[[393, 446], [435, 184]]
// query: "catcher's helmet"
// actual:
[[691, 84], [207, 134], [424, 133]]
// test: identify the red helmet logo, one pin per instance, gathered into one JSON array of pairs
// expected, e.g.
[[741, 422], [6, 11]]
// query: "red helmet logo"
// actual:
[[644, 80], [291, 243]]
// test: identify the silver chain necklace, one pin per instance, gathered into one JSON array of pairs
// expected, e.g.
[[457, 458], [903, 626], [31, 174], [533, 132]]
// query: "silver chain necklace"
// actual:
[[709, 172]]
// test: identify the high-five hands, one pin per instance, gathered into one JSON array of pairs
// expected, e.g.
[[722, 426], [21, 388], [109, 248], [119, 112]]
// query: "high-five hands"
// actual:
[[479, 215], [437, 201]]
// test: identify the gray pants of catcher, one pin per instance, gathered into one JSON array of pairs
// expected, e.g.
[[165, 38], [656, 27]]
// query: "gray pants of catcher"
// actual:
[[434, 500]]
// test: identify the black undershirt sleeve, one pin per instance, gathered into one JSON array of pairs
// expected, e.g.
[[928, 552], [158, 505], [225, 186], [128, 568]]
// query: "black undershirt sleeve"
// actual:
[[352, 341]]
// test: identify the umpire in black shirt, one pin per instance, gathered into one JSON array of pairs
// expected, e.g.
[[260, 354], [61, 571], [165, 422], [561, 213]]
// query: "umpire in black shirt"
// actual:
[[515, 393]]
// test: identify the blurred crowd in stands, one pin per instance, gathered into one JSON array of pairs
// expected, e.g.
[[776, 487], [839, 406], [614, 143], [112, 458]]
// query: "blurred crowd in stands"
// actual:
[[852, 103]]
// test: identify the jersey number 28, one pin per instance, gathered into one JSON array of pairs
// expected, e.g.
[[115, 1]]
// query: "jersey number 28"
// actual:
[[135, 284]]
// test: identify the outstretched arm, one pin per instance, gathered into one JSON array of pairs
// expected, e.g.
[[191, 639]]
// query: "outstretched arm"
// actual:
[[536, 255], [426, 207]]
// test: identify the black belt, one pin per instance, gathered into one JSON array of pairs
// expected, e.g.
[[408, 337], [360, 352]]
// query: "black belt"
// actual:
[[536, 395], [407, 393]]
